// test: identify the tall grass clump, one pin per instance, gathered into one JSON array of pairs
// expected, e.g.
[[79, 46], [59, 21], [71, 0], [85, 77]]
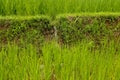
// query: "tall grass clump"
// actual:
[[51, 7], [81, 61]]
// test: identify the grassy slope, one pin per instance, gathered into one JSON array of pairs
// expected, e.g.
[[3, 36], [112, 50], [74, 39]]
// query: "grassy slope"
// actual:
[[61, 15], [23, 17], [65, 28]]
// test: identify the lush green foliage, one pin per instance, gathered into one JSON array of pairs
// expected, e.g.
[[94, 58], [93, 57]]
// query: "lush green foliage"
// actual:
[[53, 7], [81, 61]]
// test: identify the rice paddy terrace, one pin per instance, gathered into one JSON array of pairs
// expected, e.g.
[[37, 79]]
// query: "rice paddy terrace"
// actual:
[[59, 40]]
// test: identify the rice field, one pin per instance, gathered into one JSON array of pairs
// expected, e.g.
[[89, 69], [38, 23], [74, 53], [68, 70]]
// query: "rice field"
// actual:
[[54, 7], [76, 62], [27, 51]]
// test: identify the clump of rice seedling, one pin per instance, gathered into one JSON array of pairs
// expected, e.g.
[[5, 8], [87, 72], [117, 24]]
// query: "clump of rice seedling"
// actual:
[[51, 7], [60, 62]]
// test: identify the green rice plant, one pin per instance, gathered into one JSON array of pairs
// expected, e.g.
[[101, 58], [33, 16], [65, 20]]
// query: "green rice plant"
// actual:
[[51, 7], [76, 62]]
